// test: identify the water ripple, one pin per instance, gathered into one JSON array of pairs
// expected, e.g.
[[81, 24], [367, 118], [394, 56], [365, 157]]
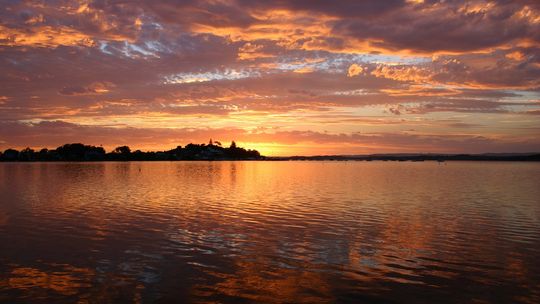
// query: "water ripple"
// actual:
[[270, 232]]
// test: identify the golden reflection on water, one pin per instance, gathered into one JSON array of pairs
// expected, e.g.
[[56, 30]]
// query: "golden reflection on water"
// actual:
[[254, 282], [67, 280], [270, 231], [3, 218]]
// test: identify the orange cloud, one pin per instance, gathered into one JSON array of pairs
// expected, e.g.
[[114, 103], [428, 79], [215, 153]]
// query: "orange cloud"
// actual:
[[44, 36], [304, 70], [291, 66], [252, 51], [92, 89], [422, 90], [517, 55], [403, 73], [354, 70]]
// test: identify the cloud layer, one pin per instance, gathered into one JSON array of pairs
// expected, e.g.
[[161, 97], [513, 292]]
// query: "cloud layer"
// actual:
[[291, 77]]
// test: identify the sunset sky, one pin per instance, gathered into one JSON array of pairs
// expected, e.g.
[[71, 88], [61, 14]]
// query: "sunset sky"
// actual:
[[303, 77]]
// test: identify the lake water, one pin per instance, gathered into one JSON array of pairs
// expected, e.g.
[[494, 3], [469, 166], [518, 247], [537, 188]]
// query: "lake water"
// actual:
[[271, 232]]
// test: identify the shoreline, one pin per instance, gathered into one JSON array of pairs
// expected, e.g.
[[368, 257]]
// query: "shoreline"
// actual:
[[367, 158]]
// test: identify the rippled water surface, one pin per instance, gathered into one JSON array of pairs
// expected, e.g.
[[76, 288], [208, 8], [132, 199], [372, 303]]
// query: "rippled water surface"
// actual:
[[295, 232]]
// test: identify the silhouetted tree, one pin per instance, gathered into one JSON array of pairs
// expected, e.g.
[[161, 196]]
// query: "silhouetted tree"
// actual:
[[11, 155], [45, 155], [26, 154], [81, 152], [122, 150], [120, 153]]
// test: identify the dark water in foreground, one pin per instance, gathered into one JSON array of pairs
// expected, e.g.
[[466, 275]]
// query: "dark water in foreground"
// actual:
[[275, 232]]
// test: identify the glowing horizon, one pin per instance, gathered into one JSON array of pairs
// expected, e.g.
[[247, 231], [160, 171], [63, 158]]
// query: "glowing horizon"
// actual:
[[282, 77]]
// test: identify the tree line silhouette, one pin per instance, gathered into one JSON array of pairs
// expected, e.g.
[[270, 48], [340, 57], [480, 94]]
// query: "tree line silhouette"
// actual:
[[80, 152]]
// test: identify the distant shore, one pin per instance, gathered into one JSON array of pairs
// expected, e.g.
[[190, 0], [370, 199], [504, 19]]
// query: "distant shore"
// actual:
[[534, 158], [416, 157], [81, 152], [214, 151]]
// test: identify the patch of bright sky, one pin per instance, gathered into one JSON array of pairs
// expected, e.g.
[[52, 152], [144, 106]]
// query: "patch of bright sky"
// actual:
[[133, 48], [521, 108], [227, 74], [103, 48], [392, 59], [336, 120], [157, 46], [148, 120], [367, 111], [126, 49], [338, 63], [524, 95], [328, 63], [357, 92], [499, 123]]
